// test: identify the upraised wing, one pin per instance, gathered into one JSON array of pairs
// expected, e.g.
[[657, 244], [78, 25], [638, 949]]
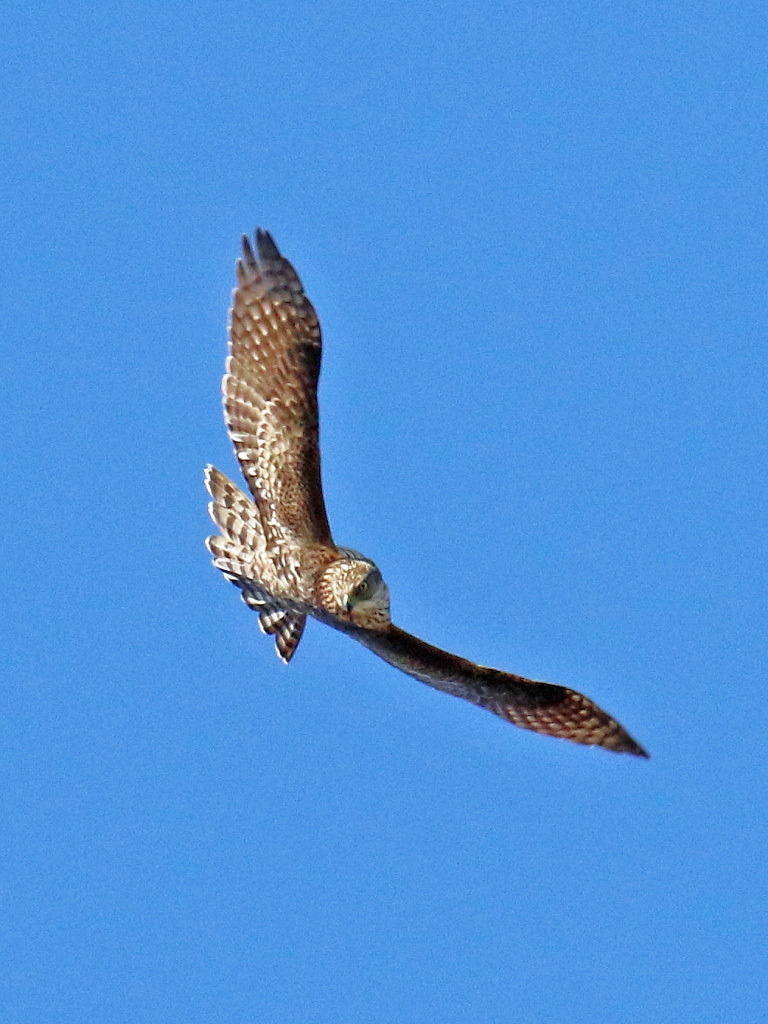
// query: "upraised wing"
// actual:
[[270, 395]]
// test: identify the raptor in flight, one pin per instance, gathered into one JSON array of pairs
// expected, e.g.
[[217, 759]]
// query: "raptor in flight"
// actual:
[[277, 546]]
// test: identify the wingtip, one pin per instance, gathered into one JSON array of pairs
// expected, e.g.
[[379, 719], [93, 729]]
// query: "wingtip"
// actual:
[[248, 255], [265, 245], [624, 744]]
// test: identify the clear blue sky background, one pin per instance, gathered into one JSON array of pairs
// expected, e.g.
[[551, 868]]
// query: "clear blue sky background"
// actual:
[[536, 237]]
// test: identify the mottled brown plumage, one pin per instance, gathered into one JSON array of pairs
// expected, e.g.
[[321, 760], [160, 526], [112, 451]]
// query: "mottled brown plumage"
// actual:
[[278, 549]]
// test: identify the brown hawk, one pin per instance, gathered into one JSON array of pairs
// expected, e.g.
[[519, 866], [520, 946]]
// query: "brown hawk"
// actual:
[[278, 549]]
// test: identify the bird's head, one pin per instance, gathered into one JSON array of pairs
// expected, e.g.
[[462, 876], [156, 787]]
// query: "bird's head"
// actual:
[[352, 588]]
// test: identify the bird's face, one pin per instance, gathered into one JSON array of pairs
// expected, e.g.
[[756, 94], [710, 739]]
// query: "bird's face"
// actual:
[[359, 593], [368, 601]]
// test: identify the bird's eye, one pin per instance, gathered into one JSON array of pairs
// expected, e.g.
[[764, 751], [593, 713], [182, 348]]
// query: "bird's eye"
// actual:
[[367, 587]]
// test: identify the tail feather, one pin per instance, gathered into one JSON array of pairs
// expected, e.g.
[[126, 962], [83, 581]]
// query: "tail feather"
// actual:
[[286, 626]]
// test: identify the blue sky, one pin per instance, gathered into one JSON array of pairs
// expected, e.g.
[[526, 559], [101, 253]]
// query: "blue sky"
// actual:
[[535, 234]]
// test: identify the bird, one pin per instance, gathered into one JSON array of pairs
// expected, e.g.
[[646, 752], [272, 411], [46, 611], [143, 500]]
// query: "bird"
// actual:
[[276, 544]]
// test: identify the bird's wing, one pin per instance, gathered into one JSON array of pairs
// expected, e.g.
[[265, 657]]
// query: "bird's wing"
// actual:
[[239, 552], [270, 395], [542, 707]]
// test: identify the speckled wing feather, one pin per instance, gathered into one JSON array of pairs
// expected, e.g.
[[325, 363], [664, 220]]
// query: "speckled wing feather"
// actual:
[[240, 554], [270, 395], [542, 707]]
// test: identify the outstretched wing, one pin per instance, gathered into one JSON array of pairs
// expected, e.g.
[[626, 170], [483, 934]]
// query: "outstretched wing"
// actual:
[[542, 707], [270, 395]]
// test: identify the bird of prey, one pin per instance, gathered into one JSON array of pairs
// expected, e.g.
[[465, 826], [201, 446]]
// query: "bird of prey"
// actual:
[[277, 546]]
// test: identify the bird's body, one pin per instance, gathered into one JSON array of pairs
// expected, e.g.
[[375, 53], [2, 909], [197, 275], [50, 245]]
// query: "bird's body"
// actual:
[[277, 547]]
